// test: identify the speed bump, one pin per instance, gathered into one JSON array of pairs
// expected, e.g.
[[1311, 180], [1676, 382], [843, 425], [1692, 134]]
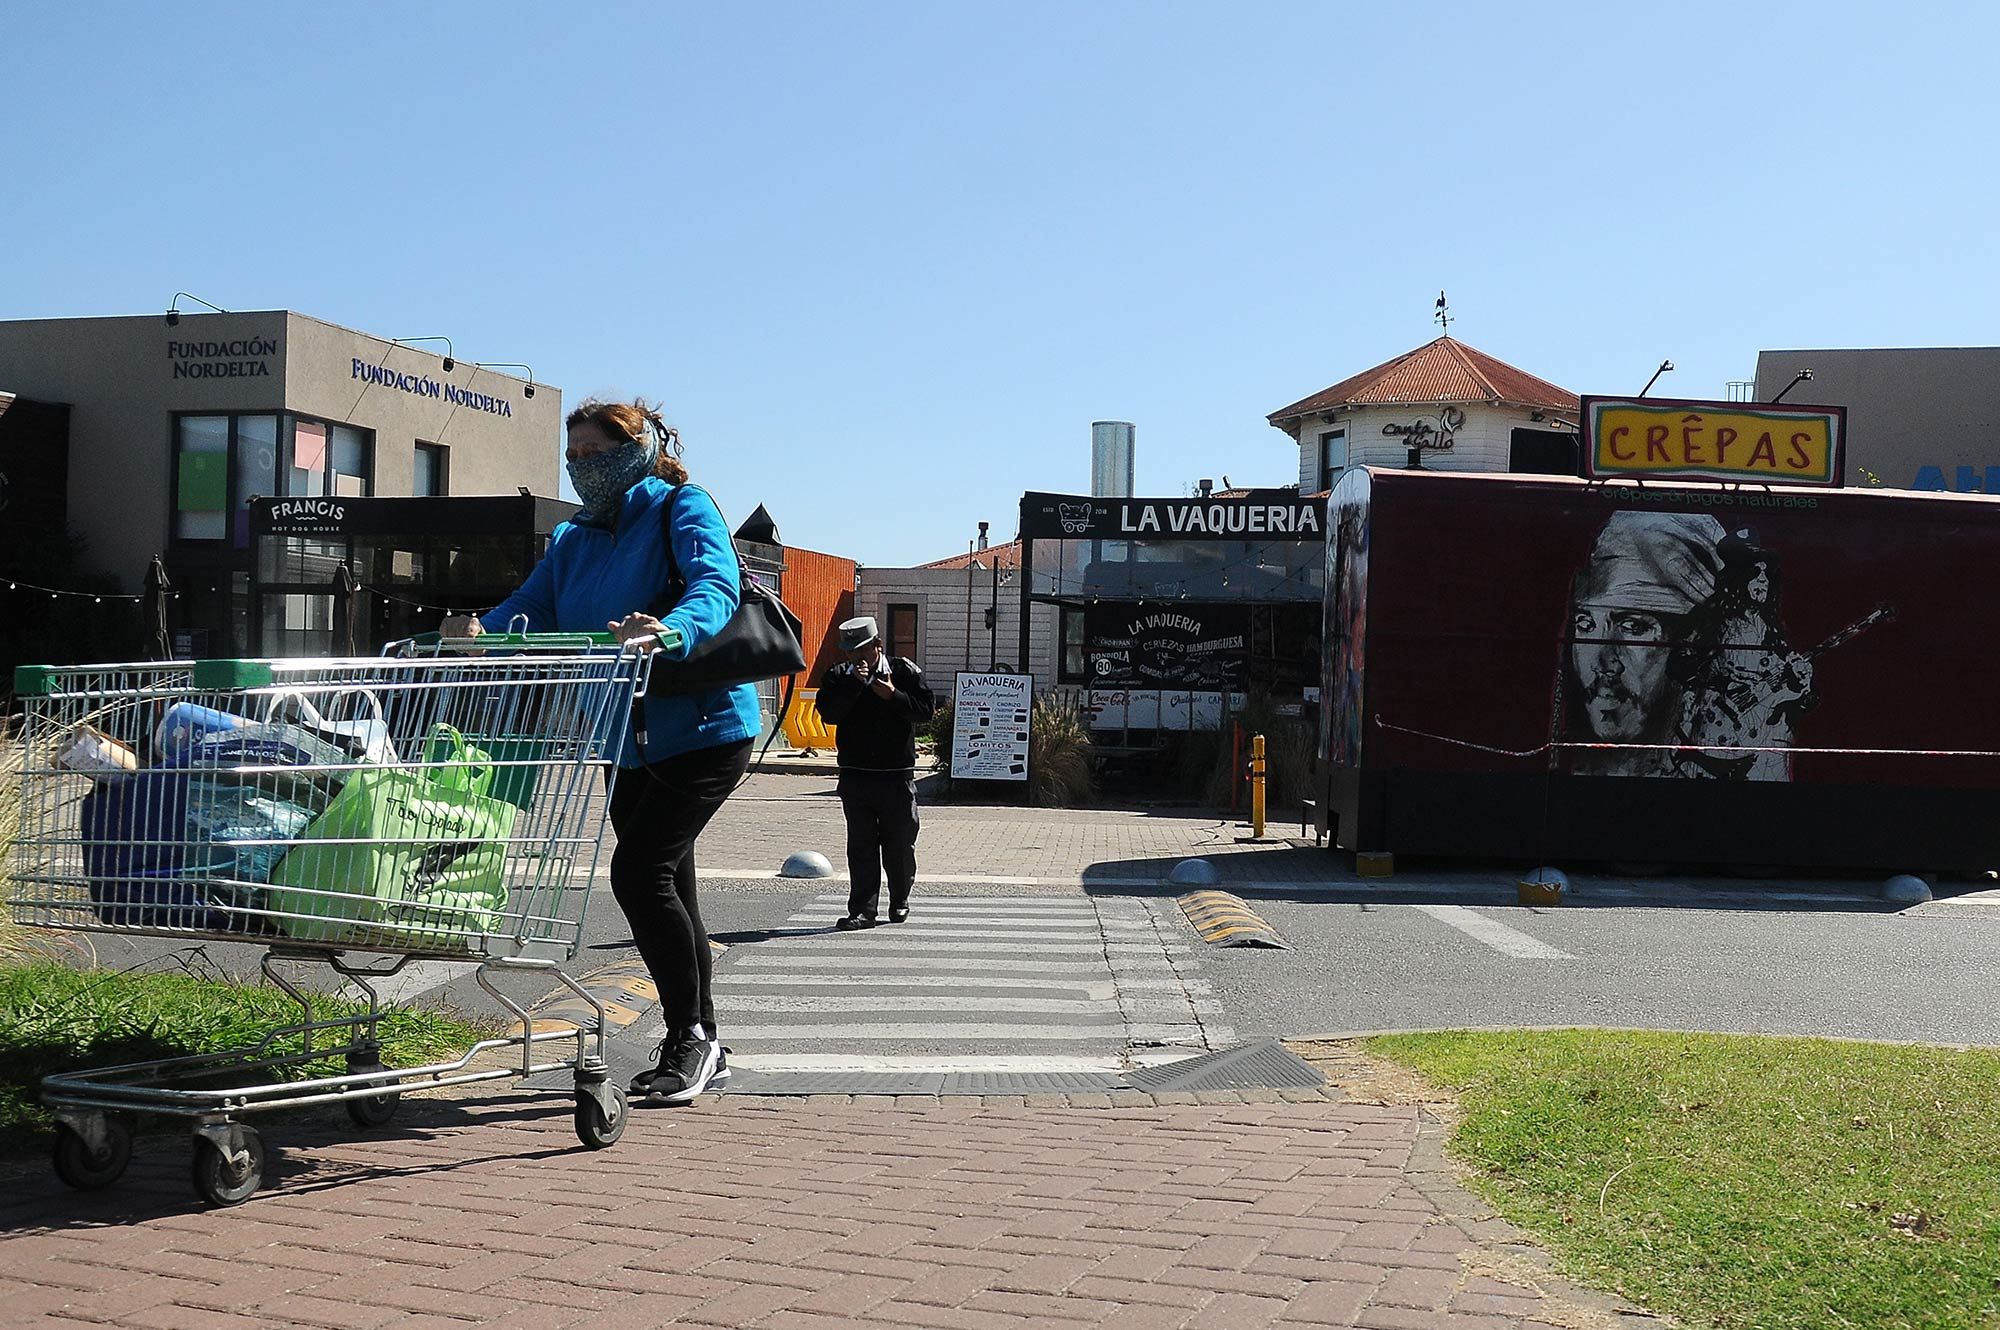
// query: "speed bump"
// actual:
[[625, 988], [1223, 920]]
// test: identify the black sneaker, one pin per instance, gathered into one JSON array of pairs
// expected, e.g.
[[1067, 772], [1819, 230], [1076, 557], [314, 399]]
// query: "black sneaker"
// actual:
[[686, 1067], [644, 1080], [854, 921], [719, 1078], [898, 913]]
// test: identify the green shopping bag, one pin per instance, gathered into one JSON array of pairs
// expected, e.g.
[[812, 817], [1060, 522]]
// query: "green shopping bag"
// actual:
[[418, 857]]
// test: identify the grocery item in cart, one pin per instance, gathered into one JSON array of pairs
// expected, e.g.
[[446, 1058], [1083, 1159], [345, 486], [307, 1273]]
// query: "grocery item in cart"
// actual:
[[187, 722], [402, 857], [364, 738], [185, 844], [95, 753]]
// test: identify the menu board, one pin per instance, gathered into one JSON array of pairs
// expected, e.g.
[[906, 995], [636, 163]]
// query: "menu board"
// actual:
[[989, 726]]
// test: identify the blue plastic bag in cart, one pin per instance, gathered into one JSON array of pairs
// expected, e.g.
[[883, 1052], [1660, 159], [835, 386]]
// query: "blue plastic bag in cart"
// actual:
[[185, 845]]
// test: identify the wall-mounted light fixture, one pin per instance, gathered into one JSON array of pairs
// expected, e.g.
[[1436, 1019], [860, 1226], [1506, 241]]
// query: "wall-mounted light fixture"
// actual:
[[173, 307], [527, 389], [1803, 376], [449, 363]]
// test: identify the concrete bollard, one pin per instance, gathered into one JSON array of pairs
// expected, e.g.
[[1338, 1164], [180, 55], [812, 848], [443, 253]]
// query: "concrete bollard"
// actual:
[[1906, 889], [1194, 873], [806, 863]]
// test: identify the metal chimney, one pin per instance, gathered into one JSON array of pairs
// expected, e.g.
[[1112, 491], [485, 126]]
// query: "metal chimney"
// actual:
[[1111, 459], [982, 535]]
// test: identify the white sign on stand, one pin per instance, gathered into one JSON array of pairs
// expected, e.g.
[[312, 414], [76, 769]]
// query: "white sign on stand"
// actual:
[[989, 726]]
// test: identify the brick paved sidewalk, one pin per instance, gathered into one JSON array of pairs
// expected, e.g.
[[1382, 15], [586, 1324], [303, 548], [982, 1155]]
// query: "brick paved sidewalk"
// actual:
[[791, 1214]]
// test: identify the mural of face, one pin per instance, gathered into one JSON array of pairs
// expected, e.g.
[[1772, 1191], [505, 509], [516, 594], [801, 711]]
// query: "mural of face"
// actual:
[[1759, 586], [1620, 659]]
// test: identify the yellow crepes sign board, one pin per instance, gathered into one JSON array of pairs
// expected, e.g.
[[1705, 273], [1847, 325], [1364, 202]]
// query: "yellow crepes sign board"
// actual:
[[1688, 440]]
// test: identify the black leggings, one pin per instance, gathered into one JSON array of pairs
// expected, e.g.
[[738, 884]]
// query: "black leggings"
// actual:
[[657, 811]]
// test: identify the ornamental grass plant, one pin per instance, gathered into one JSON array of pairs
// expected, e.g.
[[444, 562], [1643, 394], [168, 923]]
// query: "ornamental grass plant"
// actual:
[[1059, 754]]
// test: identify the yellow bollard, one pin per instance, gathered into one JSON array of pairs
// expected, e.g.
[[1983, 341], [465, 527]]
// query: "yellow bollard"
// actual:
[[1257, 786]]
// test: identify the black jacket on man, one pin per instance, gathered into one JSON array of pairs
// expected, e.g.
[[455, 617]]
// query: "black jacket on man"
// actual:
[[875, 734]]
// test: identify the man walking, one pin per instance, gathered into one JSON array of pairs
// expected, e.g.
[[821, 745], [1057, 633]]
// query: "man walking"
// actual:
[[874, 703]]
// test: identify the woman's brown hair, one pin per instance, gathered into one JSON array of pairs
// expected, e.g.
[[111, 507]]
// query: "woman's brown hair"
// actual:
[[630, 420]]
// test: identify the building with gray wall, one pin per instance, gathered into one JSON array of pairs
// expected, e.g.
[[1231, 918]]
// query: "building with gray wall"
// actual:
[[1924, 418], [176, 425]]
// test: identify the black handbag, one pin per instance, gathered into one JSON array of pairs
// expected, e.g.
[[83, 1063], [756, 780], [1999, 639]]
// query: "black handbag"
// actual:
[[760, 641]]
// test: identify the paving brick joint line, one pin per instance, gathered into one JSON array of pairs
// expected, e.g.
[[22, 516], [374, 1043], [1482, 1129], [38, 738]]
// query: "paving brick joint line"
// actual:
[[1120, 1210]]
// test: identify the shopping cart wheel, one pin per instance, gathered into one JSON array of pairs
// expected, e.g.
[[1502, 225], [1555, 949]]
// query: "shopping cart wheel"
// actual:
[[597, 1126], [375, 1110], [88, 1169], [221, 1182]]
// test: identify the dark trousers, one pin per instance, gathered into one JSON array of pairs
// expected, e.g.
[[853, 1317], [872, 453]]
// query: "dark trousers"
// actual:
[[881, 834], [657, 811]]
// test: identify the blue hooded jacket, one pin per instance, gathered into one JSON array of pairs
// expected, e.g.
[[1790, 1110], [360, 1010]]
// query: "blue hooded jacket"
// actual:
[[592, 576]]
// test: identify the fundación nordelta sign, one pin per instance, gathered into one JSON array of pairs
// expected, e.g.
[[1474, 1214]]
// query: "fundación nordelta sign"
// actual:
[[249, 358], [423, 385]]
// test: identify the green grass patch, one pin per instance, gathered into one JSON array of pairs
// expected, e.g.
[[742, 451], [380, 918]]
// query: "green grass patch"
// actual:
[[55, 1018], [1740, 1181]]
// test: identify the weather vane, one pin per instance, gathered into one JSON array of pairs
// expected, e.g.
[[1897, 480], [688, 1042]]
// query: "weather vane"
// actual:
[[1443, 315]]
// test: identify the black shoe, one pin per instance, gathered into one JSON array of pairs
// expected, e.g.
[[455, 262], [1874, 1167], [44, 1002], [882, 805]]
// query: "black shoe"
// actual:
[[853, 921], [644, 1080], [686, 1067], [898, 913], [719, 1078]]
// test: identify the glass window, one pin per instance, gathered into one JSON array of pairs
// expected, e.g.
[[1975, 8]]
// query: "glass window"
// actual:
[[331, 459], [1332, 457], [432, 474], [1071, 670], [903, 631], [351, 460], [256, 468], [201, 478], [308, 459]]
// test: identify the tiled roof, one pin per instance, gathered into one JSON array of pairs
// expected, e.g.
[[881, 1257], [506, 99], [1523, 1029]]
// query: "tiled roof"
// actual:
[[1441, 371], [993, 556]]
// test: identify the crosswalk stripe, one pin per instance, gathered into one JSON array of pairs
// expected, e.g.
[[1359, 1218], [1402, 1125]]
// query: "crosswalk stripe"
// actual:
[[929, 964], [1509, 941], [933, 1063], [918, 1003], [923, 1032], [1022, 935], [1024, 902], [992, 921], [1103, 992], [924, 946]]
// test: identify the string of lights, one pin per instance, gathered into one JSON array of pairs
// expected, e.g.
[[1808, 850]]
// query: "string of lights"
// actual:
[[372, 589], [59, 593]]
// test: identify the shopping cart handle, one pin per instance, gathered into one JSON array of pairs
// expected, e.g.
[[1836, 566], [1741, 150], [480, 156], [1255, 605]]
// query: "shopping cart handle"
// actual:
[[667, 638]]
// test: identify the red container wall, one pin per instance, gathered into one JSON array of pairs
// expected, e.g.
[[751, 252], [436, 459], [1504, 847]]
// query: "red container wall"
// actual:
[[819, 588], [1690, 624]]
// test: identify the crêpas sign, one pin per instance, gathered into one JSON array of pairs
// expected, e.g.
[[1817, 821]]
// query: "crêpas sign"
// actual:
[[1688, 440]]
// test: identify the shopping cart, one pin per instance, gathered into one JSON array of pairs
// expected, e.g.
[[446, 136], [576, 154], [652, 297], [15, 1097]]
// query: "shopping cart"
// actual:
[[434, 805]]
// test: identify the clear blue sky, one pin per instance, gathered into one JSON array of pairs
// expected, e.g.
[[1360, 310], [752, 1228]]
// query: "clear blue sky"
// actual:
[[885, 263]]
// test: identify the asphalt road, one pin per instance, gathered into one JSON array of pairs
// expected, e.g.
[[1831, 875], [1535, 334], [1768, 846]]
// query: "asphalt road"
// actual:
[[1930, 973]]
